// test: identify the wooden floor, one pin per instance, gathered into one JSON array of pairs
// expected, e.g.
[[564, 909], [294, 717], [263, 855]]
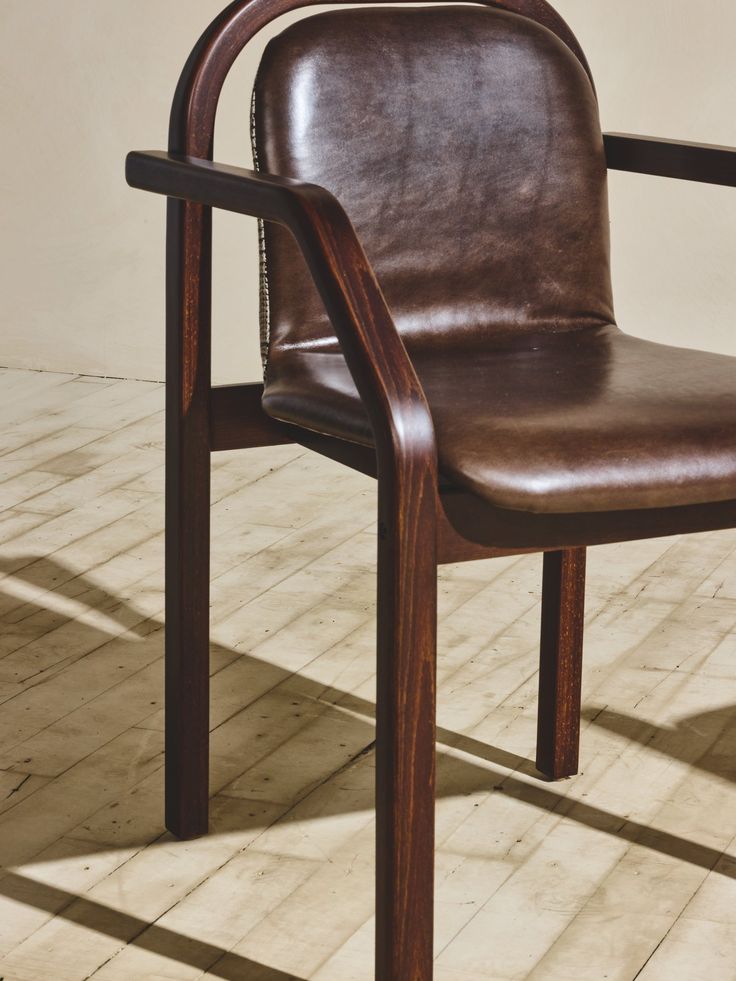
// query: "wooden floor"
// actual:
[[627, 871]]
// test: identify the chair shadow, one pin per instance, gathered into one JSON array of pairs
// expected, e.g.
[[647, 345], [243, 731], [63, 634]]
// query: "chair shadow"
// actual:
[[706, 740], [129, 929], [500, 772]]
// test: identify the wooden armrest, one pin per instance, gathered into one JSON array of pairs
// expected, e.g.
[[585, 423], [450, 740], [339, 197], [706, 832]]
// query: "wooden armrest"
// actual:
[[246, 192], [669, 158], [373, 349]]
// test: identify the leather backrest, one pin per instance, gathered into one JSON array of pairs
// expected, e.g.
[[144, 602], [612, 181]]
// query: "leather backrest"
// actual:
[[464, 144]]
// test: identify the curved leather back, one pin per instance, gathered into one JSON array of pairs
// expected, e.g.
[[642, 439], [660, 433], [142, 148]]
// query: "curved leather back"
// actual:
[[465, 146]]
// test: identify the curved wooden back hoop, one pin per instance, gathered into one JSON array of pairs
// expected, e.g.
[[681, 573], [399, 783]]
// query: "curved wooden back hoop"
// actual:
[[198, 92]]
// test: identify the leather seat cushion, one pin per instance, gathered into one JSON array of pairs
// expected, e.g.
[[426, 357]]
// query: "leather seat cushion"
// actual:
[[465, 145], [583, 420]]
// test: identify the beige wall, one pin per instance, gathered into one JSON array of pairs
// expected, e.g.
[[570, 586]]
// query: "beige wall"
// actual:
[[82, 255]]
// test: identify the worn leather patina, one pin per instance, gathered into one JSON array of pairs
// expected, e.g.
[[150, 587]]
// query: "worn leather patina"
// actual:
[[465, 145]]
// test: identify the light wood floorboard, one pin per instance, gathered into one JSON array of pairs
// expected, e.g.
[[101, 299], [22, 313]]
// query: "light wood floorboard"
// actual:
[[627, 871]]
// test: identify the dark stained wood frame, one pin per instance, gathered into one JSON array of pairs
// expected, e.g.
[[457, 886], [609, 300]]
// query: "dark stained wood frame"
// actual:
[[560, 662], [666, 158], [421, 521]]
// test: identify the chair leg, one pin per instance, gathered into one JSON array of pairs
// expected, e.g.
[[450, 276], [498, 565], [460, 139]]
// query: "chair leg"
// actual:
[[187, 519], [405, 738], [560, 666]]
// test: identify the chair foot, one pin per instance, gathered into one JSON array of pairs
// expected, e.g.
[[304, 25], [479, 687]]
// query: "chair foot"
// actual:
[[187, 685], [405, 740], [560, 666]]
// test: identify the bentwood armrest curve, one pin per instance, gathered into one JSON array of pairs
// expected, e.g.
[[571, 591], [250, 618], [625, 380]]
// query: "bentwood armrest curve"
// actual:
[[373, 349], [702, 162], [216, 185]]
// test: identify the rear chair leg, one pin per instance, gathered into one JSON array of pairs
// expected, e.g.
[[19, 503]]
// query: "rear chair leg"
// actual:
[[405, 735], [187, 518], [560, 665]]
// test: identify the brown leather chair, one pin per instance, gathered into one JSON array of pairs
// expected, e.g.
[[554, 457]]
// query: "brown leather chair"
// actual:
[[437, 312]]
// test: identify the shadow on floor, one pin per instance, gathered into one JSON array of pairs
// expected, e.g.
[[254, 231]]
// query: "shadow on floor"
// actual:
[[705, 740], [700, 742], [217, 961]]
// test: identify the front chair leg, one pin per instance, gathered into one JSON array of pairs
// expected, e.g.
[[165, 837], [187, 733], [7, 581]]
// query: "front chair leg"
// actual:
[[405, 735], [560, 665]]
